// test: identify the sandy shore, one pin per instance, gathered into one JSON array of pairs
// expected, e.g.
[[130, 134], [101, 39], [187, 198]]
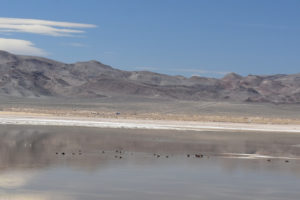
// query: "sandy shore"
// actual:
[[145, 124]]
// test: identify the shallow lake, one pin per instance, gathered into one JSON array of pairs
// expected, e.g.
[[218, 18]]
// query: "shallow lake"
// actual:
[[40, 163]]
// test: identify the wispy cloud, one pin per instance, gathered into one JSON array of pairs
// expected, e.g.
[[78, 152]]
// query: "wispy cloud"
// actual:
[[75, 44], [266, 26], [262, 26], [8, 26], [145, 68], [42, 27], [182, 71], [201, 71], [23, 47]]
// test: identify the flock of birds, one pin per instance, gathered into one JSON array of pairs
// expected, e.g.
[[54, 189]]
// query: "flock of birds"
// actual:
[[119, 155]]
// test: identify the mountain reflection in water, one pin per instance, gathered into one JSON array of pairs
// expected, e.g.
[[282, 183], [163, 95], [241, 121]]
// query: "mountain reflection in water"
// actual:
[[40, 163]]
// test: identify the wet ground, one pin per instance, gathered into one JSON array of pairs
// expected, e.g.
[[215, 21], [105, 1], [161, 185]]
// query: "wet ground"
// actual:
[[40, 163]]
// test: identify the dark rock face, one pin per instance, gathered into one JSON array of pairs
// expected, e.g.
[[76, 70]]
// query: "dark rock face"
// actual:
[[27, 76]]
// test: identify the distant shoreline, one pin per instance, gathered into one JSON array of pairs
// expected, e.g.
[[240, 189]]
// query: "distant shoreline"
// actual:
[[144, 124]]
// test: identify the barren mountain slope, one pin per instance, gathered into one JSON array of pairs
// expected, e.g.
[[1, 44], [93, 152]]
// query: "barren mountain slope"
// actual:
[[28, 76]]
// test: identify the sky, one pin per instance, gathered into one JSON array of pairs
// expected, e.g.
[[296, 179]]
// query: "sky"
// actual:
[[177, 37]]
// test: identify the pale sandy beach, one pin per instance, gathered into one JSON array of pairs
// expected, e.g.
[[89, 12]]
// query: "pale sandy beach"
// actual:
[[145, 124]]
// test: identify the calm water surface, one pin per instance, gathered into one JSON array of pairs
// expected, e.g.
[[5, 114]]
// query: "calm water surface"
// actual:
[[40, 163]]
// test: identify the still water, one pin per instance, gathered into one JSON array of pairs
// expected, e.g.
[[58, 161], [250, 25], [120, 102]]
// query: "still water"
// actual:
[[39, 163]]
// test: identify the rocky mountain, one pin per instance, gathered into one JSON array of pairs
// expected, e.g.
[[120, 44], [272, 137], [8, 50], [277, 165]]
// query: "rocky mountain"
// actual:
[[28, 76]]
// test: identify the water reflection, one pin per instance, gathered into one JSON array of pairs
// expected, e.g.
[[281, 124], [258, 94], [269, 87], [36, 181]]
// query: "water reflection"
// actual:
[[14, 179], [88, 163]]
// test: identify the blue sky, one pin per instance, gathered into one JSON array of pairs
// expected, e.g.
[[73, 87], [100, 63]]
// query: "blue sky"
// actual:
[[188, 37]]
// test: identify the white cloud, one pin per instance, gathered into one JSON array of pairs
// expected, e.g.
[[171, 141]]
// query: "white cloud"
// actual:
[[200, 71], [76, 44], [23, 47], [145, 68], [43, 27]]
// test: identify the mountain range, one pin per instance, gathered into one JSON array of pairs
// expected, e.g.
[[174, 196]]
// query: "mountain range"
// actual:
[[37, 77]]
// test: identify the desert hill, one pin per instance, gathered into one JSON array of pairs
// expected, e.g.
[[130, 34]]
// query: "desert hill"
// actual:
[[28, 76]]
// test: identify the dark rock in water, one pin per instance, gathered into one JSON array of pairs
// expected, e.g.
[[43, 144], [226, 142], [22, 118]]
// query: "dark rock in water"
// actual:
[[199, 155]]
